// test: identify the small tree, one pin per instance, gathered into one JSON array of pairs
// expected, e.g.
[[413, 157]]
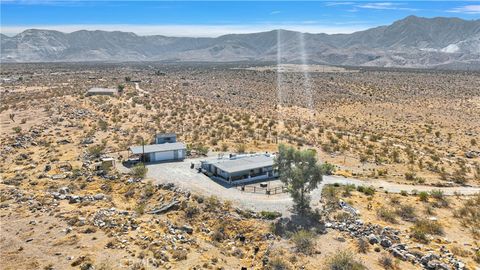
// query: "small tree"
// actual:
[[299, 171], [120, 88]]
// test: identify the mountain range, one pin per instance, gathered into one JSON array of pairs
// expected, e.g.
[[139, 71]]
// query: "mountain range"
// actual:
[[411, 42]]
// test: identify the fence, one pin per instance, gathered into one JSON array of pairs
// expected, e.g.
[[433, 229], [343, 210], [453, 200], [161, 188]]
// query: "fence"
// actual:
[[263, 190]]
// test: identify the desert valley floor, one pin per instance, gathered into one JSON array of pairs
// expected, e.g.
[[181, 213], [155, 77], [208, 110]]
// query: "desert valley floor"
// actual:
[[406, 127]]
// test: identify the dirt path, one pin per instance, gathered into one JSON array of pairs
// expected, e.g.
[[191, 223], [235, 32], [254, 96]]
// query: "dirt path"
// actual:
[[137, 87]]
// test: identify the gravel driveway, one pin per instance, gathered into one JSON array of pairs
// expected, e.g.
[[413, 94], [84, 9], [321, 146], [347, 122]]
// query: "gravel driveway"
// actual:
[[181, 175]]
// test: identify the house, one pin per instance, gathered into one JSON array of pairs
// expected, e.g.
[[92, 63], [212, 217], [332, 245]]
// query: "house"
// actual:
[[165, 138], [160, 152], [241, 169], [96, 91]]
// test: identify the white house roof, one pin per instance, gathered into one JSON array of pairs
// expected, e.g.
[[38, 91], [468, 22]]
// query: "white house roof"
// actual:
[[165, 135], [152, 148], [102, 90], [245, 163]]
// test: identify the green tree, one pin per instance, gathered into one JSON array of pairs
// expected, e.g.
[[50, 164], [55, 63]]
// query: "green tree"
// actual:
[[299, 171], [120, 87]]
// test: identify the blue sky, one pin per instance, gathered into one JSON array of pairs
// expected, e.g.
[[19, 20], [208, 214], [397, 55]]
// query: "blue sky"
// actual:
[[198, 18]]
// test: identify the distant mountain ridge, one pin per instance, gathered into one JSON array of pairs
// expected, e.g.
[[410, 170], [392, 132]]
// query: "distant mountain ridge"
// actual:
[[410, 42]]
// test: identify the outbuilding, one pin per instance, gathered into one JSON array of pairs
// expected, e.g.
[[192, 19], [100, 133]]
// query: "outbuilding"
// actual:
[[160, 152], [97, 91], [165, 138]]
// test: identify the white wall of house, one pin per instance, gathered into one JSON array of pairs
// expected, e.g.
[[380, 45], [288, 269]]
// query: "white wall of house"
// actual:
[[160, 156], [181, 154]]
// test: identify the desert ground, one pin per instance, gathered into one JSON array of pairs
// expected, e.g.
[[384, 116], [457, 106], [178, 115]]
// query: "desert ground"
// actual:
[[400, 126]]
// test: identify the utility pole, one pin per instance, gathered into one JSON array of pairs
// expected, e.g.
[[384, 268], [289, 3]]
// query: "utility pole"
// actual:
[[143, 152]]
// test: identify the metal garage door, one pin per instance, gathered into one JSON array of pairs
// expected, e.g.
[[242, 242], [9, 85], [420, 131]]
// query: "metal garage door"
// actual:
[[167, 155]]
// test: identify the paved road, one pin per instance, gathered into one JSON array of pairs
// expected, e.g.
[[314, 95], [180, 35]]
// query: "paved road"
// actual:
[[181, 174]]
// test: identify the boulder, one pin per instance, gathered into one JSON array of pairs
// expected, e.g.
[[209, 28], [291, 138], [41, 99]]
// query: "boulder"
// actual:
[[437, 265], [386, 243], [99, 196], [373, 239], [399, 254], [186, 228], [428, 257]]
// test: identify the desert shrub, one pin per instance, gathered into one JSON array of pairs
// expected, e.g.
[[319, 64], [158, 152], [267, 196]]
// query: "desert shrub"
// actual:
[[424, 227], [386, 215], [440, 199], [404, 193], [140, 208], [95, 150], [362, 245], [180, 254], [327, 168], [102, 125], [429, 210], [343, 216], [410, 176], [148, 190], [202, 150], [139, 171], [241, 148], [388, 262], [130, 192], [212, 203], [344, 260], [366, 190], [218, 235], [224, 147], [270, 214], [347, 190], [423, 196], [437, 194], [469, 214], [406, 212], [304, 241], [458, 251], [329, 193], [191, 211], [394, 200], [382, 172], [277, 263], [17, 129]]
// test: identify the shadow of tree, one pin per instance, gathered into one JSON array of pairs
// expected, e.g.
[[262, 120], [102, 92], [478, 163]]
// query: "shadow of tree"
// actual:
[[310, 221]]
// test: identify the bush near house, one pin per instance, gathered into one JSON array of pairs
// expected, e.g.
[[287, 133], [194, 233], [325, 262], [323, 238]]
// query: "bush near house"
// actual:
[[139, 171]]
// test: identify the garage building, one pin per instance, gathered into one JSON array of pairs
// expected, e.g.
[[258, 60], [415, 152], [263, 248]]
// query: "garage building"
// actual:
[[160, 152]]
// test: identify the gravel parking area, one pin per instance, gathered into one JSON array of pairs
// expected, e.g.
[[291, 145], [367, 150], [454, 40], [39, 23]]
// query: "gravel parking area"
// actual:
[[181, 175]]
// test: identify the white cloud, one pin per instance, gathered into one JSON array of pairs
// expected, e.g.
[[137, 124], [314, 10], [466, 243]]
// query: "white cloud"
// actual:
[[385, 6], [190, 30], [469, 9], [331, 4], [275, 12]]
